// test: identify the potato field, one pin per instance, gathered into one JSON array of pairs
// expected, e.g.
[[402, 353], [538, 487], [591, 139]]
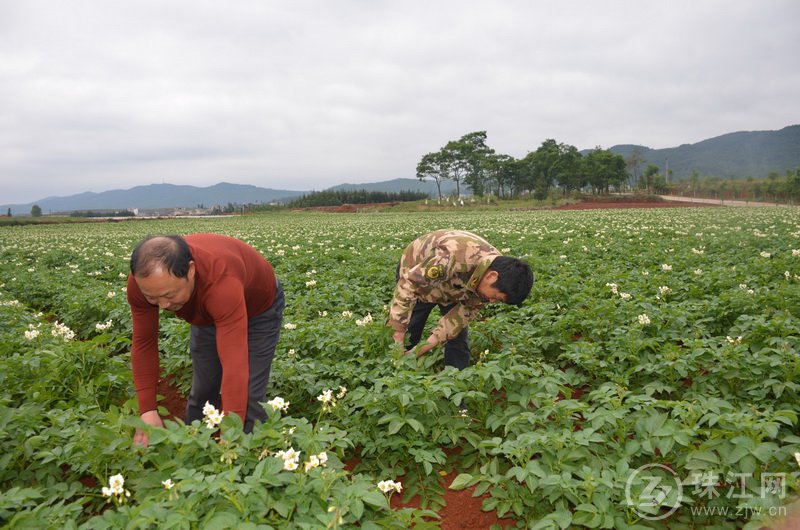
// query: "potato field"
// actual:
[[651, 379]]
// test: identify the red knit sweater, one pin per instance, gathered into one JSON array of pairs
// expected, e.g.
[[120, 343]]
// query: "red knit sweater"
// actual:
[[233, 283]]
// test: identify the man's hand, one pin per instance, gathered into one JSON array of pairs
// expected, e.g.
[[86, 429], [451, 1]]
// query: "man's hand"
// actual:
[[425, 348], [150, 417]]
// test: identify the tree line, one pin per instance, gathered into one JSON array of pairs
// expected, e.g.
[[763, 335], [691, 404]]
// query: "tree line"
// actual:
[[361, 196], [470, 163]]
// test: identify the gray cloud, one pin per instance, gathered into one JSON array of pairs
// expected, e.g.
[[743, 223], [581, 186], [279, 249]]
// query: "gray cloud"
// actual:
[[309, 94]]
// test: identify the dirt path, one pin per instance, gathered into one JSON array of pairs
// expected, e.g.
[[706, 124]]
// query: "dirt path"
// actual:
[[720, 202]]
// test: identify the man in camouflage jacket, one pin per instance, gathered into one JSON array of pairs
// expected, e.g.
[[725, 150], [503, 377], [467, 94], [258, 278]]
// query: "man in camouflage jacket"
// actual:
[[460, 272]]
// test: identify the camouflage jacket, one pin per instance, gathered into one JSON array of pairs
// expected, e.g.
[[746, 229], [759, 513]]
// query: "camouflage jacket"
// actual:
[[442, 267]]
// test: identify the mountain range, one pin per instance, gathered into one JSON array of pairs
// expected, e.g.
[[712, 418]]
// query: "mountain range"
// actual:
[[734, 155], [730, 156], [166, 196]]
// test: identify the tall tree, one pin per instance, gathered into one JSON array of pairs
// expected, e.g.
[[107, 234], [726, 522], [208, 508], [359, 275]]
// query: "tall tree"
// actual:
[[503, 175], [650, 173], [634, 163], [694, 181], [550, 163], [605, 170], [477, 154], [792, 184], [36, 210], [465, 161], [433, 166]]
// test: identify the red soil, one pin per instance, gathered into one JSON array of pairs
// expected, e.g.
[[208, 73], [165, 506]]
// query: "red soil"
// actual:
[[461, 510]]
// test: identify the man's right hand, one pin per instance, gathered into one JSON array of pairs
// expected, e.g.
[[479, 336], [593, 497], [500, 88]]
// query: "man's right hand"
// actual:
[[150, 417]]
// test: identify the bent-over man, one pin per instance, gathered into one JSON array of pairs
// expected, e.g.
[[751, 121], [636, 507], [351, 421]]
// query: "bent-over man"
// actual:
[[228, 292], [460, 272]]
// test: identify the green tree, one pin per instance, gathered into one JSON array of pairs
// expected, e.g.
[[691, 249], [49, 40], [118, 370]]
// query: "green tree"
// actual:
[[650, 173], [504, 175], [604, 170], [464, 159], [477, 154], [793, 184], [634, 163], [550, 163], [693, 182], [36, 210], [660, 184], [9, 212], [432, 166]]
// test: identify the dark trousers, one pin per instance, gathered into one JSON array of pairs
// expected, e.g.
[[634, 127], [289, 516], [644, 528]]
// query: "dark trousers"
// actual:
[[456, 351], [263, 332]]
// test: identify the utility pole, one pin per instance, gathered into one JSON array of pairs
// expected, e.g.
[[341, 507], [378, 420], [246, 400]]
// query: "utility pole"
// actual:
[[666, 170]]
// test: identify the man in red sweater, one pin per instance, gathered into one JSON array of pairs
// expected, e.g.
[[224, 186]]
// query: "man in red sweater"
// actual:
[[228, 292]]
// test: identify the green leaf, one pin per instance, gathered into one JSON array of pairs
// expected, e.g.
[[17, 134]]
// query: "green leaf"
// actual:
[[375, 498], [563, 517], [462, 481], [416, 425], [395, 426], [157, 436], [221, 521], [357, 508]]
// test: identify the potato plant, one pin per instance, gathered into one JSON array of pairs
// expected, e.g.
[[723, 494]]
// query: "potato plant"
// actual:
[[652, 340]]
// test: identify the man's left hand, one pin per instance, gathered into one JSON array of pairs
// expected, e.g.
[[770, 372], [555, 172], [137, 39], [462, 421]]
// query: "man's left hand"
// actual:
[[425, 348]]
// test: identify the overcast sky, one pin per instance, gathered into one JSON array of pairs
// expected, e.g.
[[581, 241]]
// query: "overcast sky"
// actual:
[[104, 94]]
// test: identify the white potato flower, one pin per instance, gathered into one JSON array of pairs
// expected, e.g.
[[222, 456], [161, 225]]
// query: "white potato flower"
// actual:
[[213, 417], [278, 403], [387, 486]]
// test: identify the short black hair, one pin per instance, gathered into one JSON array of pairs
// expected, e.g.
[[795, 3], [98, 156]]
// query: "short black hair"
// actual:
[[514, 278], [170, 252]]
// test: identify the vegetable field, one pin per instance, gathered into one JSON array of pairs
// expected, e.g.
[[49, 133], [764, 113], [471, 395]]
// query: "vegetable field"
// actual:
[[650, 380]]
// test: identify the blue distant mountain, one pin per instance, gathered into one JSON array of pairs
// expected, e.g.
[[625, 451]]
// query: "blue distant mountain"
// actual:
[[161, 196], [155, 196]]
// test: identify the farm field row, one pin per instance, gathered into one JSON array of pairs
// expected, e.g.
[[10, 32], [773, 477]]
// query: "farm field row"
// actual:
[[650, 380]]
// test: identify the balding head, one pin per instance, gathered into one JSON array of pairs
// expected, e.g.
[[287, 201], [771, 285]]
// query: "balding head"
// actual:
[[170, 253]]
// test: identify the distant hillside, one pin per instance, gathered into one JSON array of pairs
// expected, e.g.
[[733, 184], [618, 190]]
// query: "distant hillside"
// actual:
[[395, 185], [734, 155], [157, 196]]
